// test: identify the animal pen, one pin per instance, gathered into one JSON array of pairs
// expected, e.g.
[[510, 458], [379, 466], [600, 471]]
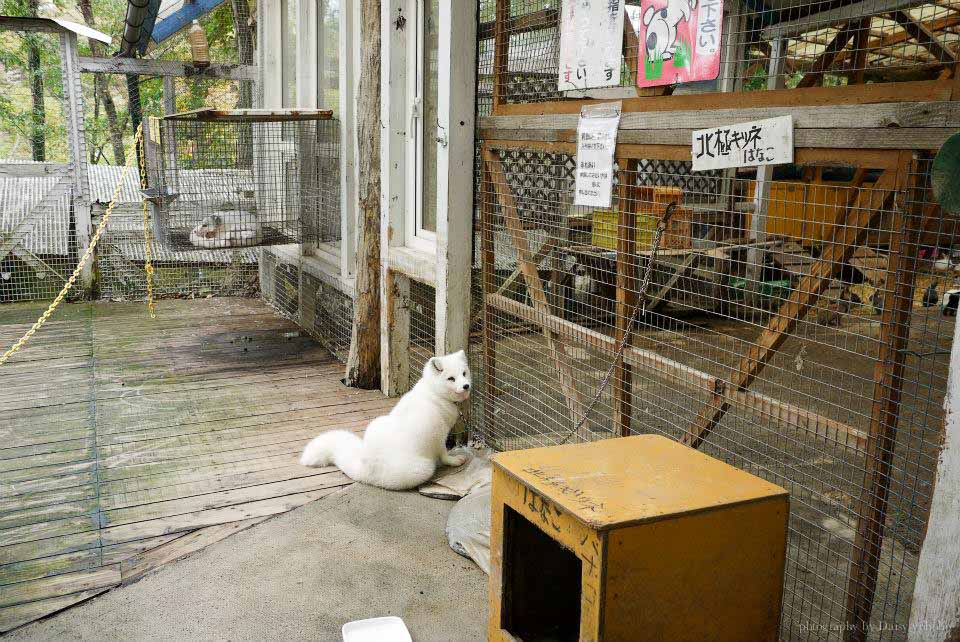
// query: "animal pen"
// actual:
[[796, 324], [793, 326]]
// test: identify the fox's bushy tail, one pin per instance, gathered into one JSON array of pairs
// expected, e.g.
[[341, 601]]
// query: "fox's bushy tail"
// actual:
[[339, 447]]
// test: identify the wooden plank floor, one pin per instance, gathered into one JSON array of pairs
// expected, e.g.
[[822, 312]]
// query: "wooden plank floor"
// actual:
[[127, 442]]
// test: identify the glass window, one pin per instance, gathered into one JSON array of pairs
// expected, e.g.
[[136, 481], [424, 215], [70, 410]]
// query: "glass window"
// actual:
[[328, 50], [431, 39]]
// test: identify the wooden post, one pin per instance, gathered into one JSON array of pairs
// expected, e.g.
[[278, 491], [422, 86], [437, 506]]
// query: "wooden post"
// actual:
[[454, 143], [487, 274], [501, 49], [935, 616], [363, 361], [77, 148], [887, 387], [626, 290], [394, 123]]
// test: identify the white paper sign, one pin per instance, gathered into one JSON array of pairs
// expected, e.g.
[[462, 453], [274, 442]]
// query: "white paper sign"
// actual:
[[596, 142], [761, 142], [591, 42]]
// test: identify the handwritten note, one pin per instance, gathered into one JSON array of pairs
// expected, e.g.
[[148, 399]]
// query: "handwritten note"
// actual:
[[596, 142], [760, 142], [591, 42]]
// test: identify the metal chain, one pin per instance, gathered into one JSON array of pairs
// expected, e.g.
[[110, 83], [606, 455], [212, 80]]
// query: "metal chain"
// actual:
[[641, 307], [83, 261]]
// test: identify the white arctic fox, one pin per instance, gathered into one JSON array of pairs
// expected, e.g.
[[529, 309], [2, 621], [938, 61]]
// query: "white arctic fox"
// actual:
[[400, 450]]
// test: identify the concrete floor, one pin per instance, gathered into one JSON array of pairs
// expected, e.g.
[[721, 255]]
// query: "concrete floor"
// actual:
[[361, 552]]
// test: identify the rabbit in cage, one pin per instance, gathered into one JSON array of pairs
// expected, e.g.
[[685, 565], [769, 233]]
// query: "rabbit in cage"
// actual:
[[234, 228]]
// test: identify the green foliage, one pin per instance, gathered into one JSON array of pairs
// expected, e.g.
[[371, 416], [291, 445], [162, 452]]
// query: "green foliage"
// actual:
[[16, 111]]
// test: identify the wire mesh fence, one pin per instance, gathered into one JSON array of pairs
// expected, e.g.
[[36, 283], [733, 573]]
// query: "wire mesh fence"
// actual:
[[238, 180], [813, 353], [784, 45]]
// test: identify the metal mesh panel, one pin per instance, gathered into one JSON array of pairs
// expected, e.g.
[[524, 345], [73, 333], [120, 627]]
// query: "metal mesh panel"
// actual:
[[798, 44], [246, 182], [422, 327], [38, 246], [811, 352]]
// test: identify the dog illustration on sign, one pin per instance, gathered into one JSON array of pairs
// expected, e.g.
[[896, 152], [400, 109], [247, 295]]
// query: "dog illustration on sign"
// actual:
[[660, 39], [680, 41]]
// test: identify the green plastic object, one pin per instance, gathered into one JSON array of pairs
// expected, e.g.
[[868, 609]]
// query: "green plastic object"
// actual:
[[945, 176]]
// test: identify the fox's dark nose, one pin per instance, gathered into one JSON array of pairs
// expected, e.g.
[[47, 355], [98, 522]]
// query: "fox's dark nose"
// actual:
[[466, 386]]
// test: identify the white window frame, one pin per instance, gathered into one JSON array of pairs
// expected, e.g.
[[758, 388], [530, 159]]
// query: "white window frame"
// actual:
[[419, 134], [307, 51]]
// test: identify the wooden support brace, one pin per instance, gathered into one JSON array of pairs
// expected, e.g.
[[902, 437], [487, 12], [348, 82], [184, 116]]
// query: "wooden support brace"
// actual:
[[531, 276], [849, 231], [829, 55], [887, 386], [919, 32], [626, 289]]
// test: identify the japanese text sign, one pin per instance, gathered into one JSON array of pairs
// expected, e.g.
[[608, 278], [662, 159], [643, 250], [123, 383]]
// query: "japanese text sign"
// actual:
[[761, 142]]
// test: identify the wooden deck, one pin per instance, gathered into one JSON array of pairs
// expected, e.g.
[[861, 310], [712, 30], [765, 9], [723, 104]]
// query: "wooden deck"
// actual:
[[126, 443]]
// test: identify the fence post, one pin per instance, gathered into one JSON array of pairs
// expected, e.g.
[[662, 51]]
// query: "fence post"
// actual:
[[76, 144], [888, 385]]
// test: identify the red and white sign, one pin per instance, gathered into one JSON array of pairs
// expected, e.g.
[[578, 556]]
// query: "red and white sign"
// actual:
[[679, 41]]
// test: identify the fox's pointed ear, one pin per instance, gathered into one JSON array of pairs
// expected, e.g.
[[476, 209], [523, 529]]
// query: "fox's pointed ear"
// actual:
[[435, 362]]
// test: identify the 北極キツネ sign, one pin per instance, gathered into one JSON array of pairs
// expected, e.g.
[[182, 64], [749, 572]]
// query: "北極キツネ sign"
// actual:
[[591, 43], [761, 142], [679, 41]]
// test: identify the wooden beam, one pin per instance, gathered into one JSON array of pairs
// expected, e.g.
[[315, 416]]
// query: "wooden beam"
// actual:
[[884, 115], [853, 138], [934, 616], [555, 343], [829, 55], [861, 45], [32, 170], [919, 32], [916, 91], [849, 232], [532, 21], [898, 298], [901, 36], [831, 17], [176, 68], [675, 373]]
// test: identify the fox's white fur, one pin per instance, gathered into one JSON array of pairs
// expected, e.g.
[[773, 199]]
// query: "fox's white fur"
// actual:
[[227, 229], [401, 450]]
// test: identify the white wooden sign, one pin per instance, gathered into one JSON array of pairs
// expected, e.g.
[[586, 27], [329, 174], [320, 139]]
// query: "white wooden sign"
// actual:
[[596, 142], [591, 42], [760, 142]]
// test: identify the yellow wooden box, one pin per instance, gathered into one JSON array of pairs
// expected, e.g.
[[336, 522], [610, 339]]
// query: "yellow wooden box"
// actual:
[[638, 538]]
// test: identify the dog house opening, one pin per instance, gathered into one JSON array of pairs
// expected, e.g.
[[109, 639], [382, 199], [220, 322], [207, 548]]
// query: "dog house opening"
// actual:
[[541, 584]]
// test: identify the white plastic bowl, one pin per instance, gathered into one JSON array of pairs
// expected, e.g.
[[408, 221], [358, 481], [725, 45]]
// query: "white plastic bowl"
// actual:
[[378, 629]]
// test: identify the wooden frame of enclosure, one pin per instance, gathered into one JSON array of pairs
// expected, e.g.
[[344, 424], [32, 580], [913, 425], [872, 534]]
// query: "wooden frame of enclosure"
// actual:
[[825, 135]]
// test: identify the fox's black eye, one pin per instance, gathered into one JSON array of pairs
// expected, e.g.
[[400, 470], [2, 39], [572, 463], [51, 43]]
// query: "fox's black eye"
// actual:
[[451, 379], [464, 374]]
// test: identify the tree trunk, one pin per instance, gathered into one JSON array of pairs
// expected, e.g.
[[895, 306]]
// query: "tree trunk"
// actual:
[[38, 137], [102, 90], [363, 363]]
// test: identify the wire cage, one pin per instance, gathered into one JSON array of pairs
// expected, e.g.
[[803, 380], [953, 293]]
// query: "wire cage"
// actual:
[[245, 178]]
